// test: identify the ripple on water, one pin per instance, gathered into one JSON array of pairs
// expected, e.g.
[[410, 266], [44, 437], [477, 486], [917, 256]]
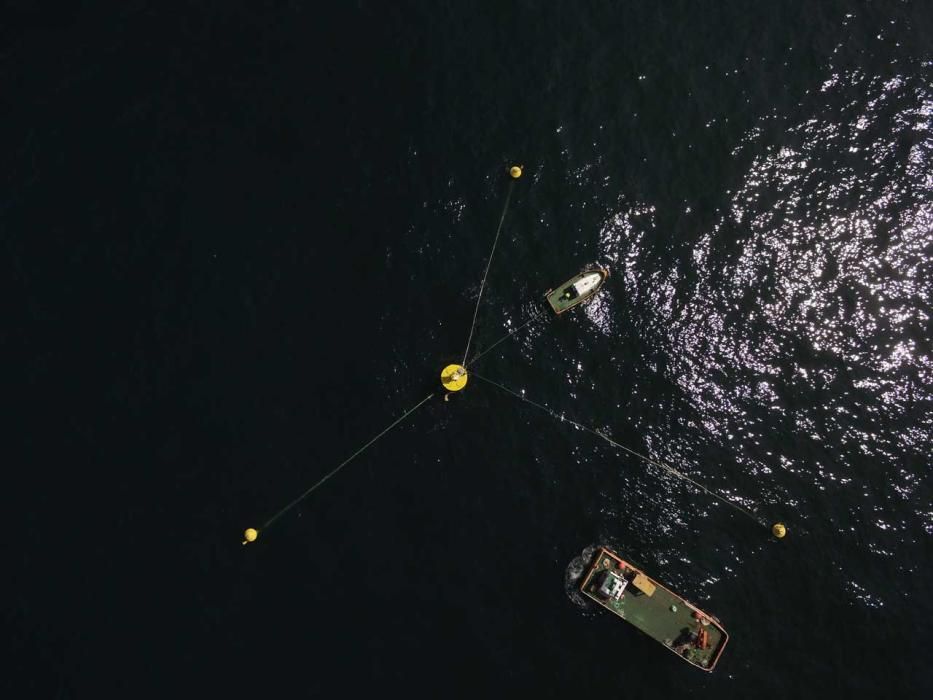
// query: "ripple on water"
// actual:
[[810, 316], [799, 339]]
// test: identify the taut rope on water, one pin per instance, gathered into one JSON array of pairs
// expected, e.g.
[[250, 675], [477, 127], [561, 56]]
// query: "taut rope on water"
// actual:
[[251, 533], [482, 285], [505, 337], [660, 465]]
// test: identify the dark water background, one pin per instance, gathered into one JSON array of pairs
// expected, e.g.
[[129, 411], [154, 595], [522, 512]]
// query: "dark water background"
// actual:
[[239, 240]]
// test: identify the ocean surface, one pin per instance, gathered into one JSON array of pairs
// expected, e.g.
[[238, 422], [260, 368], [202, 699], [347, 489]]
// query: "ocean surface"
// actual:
[[240, 239]]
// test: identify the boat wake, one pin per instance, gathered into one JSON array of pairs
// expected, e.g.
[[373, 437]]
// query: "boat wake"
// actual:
[[573, 577]]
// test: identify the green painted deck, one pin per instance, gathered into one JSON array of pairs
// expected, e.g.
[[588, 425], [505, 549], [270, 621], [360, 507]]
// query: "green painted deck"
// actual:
[[561, 303], [653, 614]]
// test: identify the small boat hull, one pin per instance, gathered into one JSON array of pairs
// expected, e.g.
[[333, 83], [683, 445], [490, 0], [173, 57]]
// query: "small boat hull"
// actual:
[[695, 636], [576, 290]]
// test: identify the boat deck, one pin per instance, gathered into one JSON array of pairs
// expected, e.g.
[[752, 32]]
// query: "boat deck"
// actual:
[[663, 616]]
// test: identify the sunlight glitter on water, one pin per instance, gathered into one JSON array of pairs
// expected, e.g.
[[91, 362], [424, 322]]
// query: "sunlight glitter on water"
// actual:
[[849, 282], [820, 263]]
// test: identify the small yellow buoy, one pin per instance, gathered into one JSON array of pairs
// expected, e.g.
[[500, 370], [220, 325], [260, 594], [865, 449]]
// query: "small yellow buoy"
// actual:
[[778, 530], [515, 171], [454, 377], [250, 534]]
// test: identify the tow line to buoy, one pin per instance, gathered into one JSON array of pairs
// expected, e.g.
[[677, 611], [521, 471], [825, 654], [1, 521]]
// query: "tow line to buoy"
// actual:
[[505, 337], [251, 534], [508, 198], [660, 465]]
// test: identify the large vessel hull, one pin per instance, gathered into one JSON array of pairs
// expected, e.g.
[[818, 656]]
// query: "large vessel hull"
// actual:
[[693, 635]]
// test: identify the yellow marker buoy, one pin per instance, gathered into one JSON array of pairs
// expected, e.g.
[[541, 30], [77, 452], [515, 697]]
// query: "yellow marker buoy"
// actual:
[[778, 530], [454, 377], [250, 534], [515, 171]]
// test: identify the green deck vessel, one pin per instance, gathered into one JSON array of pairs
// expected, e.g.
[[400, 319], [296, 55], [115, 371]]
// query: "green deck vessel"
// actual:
[[577, 289], [695, 636]]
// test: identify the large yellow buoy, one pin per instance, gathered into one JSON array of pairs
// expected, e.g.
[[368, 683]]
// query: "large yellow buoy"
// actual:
[[778, 530], [454, 377], [250, 534], [515, 171]]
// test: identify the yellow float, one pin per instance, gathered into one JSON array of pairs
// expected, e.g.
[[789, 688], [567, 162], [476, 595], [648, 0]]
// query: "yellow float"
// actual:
[[454, 377]]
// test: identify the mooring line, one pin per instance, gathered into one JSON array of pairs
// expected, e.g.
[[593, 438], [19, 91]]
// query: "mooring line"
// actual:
[[669, 469], [344, 463], [482, 285], [505, 337]]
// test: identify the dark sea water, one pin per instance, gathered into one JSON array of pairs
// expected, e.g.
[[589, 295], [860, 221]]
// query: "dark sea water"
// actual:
[[240, 239]]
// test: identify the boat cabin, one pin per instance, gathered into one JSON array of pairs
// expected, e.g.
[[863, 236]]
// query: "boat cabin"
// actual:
[[588, 283], [612, 586]]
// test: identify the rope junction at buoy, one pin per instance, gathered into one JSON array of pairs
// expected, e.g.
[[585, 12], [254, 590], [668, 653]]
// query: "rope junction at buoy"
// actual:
[[454, 378]]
